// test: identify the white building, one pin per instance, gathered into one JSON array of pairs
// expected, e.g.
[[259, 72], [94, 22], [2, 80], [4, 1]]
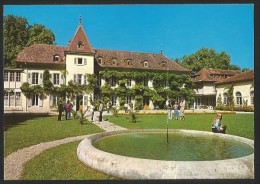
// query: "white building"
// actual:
[[243, 89], [205, 91], [73, 63]]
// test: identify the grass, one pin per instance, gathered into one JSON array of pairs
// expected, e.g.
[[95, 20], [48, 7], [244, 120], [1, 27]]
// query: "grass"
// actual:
[[238, 124], [35, 130], [62, 163], [58, 163]]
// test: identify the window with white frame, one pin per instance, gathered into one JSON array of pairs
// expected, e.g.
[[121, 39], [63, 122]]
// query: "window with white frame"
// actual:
[[225, 98], [35, 101], [85, 100], [18, 99], [6, 101], [113, 81], [11, 98], [145, 64], [53, 100], [79, 78], [80, 45], [35, 78], [113, 100], [5, 76], [238, 98], [18, 76], [114, 62], [85, 79], [80, 61], [99, 80], [11, 76], [128, 82], [129, 99], [56, 58], [146, 81], [99, 61], [56, 78], [252, 97]]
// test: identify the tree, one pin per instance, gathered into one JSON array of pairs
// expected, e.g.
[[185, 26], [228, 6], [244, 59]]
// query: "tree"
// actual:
[[207, 58], [15, 37], [230, 96], [19, 34], [47, 84], [38, 33]]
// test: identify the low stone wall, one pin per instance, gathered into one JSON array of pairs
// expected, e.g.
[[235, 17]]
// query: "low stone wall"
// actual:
[[137, 168]]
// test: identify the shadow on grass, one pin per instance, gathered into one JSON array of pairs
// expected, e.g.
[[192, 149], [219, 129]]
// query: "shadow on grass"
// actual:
[[15, 119]]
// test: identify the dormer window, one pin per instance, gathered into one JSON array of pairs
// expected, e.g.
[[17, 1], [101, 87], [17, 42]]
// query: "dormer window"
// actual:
[[145, 64], [56, 58], [129, 62], [114, 62], [80, 45], [99, 60], [163, 64]]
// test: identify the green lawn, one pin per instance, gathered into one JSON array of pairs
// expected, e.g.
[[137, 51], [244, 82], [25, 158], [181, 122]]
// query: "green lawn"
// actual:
[[238, 124], [59, 163], [22, 131]]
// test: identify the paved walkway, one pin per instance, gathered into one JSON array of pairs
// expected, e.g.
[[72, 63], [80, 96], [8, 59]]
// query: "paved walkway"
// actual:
[[14, 163]]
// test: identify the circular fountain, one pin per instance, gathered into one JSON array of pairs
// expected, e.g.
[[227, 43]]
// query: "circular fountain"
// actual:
[[145, 154]]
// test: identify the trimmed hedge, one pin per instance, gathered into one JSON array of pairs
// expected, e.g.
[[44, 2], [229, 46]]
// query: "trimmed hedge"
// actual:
[[236, 108]]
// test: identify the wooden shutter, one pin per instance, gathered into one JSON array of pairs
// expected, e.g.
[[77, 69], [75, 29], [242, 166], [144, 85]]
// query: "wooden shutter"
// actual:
[[29, 102], [40, 78], [85, 61], [51, 100], [75, 60], [74, 78], [30, 78], [85, 100], [40, 102], [61, 79]]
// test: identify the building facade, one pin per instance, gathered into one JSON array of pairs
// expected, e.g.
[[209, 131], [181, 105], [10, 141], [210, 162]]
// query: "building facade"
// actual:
[[243, 89], [73, 63], [205, 91]]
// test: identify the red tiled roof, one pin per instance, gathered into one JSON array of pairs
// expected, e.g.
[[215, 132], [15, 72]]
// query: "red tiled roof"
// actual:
[[244, 76], [207, 74], [135, 60], [42, 53], [80, 36]]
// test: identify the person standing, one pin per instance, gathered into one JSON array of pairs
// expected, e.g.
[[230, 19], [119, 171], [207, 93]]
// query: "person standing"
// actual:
[[100, 109], [60, 109], [108, 106], [126, 107], [169, 105], [176, 111], [182, 107], [68, 110], [92, 111]]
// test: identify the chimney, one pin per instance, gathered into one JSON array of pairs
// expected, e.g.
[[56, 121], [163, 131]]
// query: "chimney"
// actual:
[[161, 52]]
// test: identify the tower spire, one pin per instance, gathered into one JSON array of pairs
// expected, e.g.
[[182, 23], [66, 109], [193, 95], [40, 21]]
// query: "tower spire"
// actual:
[[80, 19]]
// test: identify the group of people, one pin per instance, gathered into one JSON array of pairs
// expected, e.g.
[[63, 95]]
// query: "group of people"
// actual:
[[128, 107], [175, 107], [100, 109], [64, 107]]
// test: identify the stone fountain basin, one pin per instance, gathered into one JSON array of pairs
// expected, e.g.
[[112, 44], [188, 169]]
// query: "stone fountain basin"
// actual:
[[138, 168]]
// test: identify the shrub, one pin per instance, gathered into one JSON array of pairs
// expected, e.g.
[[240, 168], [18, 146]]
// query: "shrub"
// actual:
[[114, 111]]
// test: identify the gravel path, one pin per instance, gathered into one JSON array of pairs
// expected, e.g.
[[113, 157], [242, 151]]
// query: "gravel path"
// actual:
[[13, 163]]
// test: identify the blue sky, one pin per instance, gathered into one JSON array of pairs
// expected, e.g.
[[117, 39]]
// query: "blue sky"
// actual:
[[177, 29]]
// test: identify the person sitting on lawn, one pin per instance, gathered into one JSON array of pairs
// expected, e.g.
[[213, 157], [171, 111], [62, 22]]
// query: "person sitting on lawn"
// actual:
[[216, 126]]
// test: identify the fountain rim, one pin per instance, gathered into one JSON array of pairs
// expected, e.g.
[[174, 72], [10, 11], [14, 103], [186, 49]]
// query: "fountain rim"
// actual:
[[85, 154]]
